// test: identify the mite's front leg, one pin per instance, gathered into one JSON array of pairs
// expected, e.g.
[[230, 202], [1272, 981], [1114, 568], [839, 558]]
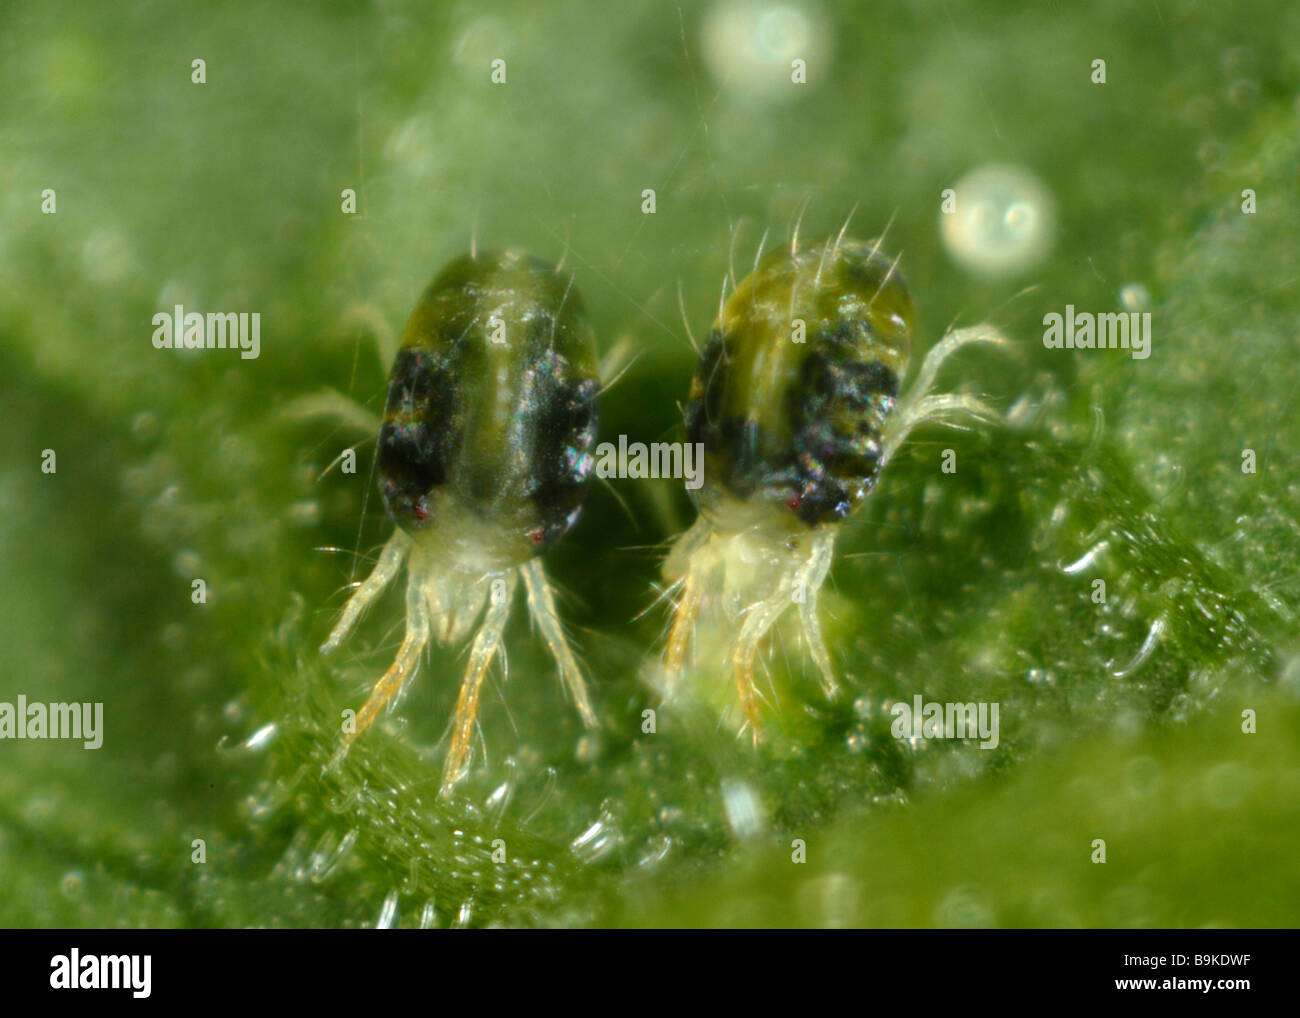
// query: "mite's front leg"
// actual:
[[390, 562]]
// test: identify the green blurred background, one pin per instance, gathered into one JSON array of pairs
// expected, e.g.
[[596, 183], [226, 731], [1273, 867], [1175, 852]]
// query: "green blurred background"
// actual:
[[226, 196]]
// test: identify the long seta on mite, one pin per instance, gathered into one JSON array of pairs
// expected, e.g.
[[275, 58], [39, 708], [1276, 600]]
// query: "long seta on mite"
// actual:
[[798, 404], [482, 462]]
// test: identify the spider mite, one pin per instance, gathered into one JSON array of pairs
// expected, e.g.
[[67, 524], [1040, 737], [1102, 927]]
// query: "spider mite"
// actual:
[[796, 400], [482, 463]]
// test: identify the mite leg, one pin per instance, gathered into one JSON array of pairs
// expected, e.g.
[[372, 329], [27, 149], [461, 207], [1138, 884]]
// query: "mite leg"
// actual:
[[951, 409], [812, 574], [946, 347], [759, 618], [399, 673], [541, 606], [919, 407], [390, 561], [687, 563], [486, 643], [684, 616]]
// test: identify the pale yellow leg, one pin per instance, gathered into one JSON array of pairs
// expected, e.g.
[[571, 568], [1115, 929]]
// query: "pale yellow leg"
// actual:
[[541, 605], [390, 561], [684, 616], [399, 673], [812, 575], [486, 643], [759, 619]]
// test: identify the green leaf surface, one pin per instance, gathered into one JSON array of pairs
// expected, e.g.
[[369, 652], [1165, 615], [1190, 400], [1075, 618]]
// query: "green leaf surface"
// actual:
[[1120, 721]]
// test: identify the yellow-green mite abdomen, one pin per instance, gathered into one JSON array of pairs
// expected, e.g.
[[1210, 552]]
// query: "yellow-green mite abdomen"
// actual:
[[801, 371], [492, 403]]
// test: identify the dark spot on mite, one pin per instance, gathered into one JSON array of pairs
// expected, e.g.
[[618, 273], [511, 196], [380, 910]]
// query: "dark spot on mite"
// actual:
[[837, 415], [846, 336], [744, 467], [415, 440], [540, 331], [562, 419], [878, 379]]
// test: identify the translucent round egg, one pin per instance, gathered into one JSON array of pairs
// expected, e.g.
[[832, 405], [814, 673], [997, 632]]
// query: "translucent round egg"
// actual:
[[750, 47], [1001, 221]]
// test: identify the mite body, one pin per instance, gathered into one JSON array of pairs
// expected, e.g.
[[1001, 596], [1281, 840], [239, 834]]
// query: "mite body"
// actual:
[[796, 401], [482, 462]]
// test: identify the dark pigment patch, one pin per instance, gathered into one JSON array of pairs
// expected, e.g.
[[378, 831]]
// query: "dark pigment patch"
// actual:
[[418, 439], [835, 415]]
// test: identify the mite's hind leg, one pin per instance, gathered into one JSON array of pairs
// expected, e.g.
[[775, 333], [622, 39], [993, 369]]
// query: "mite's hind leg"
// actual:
[[541, 606], [399, 673], [486, 643], [390, 562], [811, 576], [759, 618]]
